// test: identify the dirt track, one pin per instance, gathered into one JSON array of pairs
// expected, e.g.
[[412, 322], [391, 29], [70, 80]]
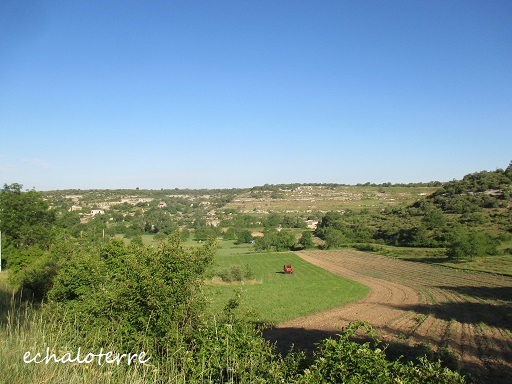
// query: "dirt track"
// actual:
[[412, 304]]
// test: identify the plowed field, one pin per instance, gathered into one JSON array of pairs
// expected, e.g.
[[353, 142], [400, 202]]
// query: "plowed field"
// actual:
[[413, 304]]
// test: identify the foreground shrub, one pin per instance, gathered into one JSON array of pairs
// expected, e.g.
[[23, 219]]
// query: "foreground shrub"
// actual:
[[148, 298], [342, 360], [232, 351]]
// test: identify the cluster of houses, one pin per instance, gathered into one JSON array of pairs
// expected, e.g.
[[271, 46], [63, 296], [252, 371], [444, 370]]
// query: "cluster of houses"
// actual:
[[211, 219]]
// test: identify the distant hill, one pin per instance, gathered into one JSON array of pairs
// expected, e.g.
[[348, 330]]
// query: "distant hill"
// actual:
[[476, 191]]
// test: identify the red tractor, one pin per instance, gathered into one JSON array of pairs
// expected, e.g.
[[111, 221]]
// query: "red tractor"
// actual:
[[287, 268]]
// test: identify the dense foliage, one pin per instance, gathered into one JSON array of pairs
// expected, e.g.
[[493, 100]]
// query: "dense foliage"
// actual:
[[275, 241], [342, 360], [146, 296], [25, 219], [29, 237]]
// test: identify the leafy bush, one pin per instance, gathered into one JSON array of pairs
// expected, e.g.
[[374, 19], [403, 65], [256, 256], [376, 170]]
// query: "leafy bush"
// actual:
[[36, 277], [236, 273], [465, 244], [148, 297], [342, 360], [243, 236], [275, 241], [232, 351], [334, 238], [368, 247], [25, 218], [229, 234], [306, 240]]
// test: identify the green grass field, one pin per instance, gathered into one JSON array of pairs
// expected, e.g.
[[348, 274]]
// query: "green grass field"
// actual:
[[276, 297]]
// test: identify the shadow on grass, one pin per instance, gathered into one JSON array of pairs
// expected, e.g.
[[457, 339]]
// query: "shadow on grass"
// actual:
[[495, 372], [493, 315], [298, 338], [487, 293], [14, 304], [305, 340], [7, 300]]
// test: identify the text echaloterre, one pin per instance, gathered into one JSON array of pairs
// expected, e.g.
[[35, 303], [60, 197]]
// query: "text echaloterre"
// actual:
[[100, 358]]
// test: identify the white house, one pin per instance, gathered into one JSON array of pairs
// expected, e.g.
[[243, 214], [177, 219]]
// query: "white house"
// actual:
[[312, 224]]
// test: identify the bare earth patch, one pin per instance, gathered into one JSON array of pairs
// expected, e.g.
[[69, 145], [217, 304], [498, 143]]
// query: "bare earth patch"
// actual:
[[412, 304]]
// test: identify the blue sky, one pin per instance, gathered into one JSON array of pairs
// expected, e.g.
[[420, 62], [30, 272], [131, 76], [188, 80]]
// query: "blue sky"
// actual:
[[221, 94]]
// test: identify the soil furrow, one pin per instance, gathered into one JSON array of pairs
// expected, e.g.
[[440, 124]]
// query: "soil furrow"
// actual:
[[410, 304]]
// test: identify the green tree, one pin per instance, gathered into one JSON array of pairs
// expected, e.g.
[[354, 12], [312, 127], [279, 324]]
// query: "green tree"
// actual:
[[184, 234], [25, 218], [284, 241], [206, 232], [243, 236], [434, 218], [331, 219], [306, 240], [157, 220], [465, 244], [230, 234], [275, 241], [334, 238], [273, 220]]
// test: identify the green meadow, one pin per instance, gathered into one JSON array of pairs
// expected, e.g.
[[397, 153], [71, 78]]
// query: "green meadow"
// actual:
[[273, 296]]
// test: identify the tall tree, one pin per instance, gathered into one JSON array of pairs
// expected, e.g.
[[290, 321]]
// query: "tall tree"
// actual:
[[306, 240], [25, 218]]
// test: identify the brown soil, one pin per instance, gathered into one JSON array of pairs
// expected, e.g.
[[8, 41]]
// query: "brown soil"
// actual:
[[414, 305]]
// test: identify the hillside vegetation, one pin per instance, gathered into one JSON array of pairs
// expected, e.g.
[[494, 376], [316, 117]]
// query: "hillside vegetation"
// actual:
[[462, 220]]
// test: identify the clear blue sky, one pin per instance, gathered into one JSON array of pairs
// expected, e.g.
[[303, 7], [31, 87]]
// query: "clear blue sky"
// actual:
[[221, 94]]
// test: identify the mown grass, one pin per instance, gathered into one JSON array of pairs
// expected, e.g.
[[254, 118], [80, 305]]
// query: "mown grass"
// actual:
[[499, 264], [277, 297]]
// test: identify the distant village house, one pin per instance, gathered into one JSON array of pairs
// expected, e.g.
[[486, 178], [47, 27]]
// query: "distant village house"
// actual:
[[312, 224]]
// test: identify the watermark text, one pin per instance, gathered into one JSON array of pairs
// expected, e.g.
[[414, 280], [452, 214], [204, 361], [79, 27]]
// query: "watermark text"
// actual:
[[100, 358]]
